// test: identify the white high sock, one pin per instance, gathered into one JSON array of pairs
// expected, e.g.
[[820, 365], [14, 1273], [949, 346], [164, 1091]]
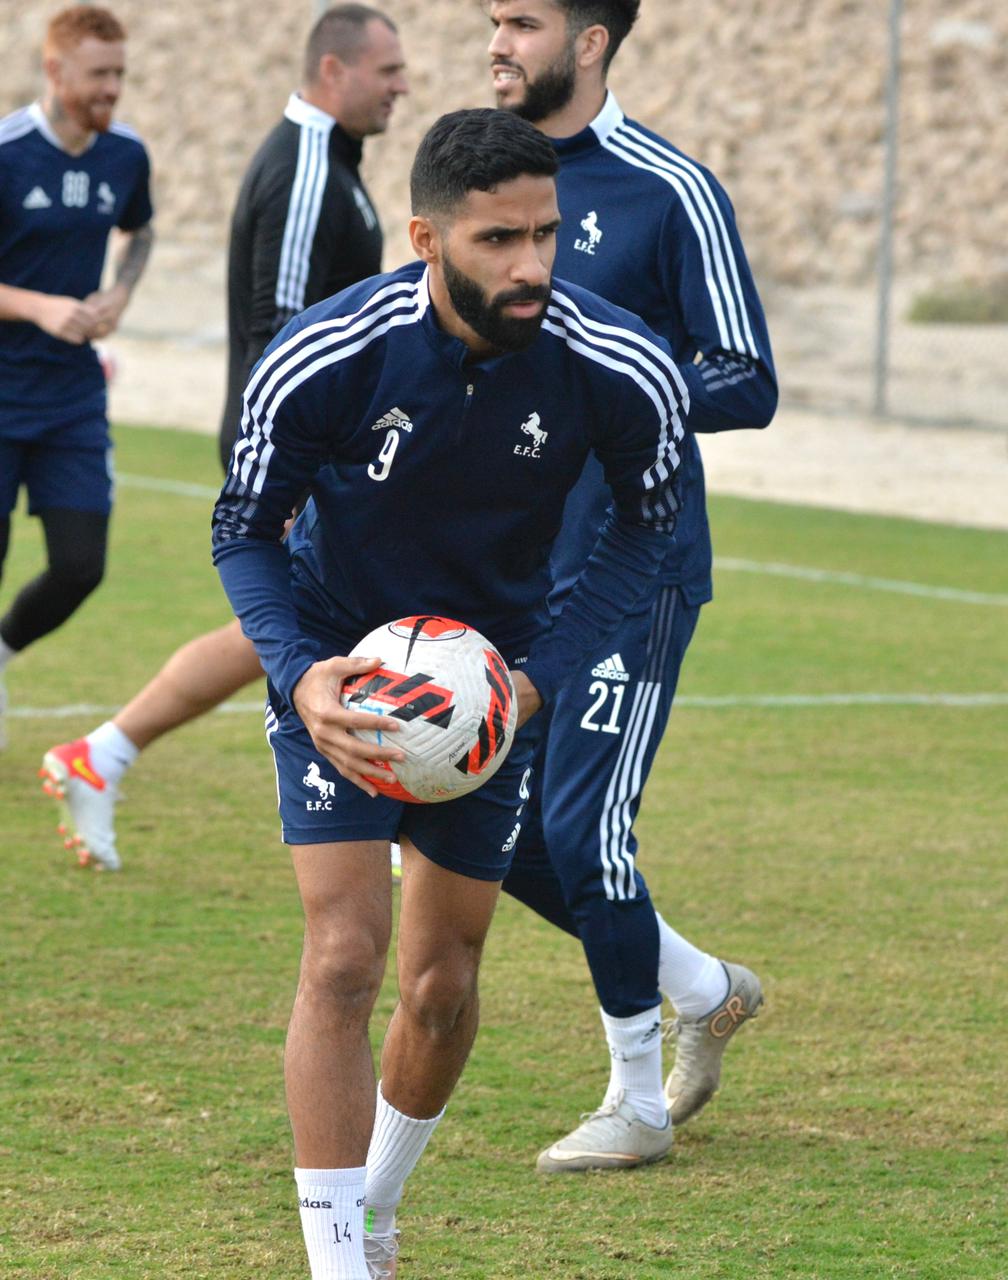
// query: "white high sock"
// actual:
[[695, 982], [636, 1063], [6, 653], [112, 752], [397, 1143], [332, 1219]]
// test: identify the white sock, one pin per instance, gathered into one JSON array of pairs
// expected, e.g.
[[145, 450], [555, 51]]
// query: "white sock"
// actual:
[[397, 1143], [332, 1219], [695, 982], [112, 752], [635, 1070], [6, 653]]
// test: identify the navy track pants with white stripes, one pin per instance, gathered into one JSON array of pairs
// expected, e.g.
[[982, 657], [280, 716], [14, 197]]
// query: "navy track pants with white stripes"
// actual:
[[575, 863]]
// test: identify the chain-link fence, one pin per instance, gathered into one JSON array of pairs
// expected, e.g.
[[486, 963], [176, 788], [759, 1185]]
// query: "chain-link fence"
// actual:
[[925, 336]]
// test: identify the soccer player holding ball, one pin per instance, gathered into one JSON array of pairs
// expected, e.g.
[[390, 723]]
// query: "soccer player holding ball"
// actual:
[[440, 416]]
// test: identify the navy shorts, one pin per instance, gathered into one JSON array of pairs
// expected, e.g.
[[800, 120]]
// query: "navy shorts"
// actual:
[[473, 836], [68, 467]]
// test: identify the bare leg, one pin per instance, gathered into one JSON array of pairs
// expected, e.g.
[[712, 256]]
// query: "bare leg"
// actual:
[[194, 680], [442, 925], [347, 897]]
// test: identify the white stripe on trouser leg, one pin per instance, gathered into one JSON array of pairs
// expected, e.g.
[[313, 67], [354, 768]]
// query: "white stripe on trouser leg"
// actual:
[[608, 868], [660, 638], [614, 825]]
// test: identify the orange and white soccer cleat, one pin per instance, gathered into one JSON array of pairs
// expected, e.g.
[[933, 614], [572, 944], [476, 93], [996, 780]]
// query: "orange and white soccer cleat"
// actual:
[[87, 804]]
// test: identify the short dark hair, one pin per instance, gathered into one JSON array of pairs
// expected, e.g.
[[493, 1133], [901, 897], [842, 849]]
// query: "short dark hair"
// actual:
[[617, 16], [475, 150], [340, 30]]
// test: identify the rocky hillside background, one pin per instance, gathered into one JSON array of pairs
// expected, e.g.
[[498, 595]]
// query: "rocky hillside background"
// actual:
[[784, 99]]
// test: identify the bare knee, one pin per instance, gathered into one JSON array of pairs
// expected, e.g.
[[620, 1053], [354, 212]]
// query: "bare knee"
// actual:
[[342, 970], [442, 996]]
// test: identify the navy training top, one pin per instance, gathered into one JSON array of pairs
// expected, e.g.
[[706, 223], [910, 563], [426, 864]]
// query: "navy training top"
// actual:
[[56, 212], [651, 230], [438, 481]]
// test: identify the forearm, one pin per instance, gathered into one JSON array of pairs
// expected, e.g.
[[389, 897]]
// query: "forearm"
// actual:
[[730, 392], [19, 304], [616, 578], [256, 577], [133, 259]]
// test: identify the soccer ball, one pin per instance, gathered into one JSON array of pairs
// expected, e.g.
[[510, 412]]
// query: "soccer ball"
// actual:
[[451, 690]]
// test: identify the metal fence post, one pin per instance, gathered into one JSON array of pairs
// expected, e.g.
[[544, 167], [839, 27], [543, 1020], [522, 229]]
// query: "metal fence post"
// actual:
[[885, 259]]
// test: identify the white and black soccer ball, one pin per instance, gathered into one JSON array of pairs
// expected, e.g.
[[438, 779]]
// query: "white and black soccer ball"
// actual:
[[451, 691]]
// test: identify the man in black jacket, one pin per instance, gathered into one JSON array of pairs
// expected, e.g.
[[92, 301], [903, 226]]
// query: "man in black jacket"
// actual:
[[303, 226]]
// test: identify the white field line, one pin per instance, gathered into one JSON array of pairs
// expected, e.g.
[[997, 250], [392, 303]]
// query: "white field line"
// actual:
[[177, 487], [831, 576], [728, 701]]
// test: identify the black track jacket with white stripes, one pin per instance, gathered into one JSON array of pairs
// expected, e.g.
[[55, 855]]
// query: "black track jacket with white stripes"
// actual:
[[303, 228], [438, 482]]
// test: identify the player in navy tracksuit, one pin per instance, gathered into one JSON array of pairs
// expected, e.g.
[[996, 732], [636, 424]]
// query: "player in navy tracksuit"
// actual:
[[407, 405], [648, 228], [303, 228], [68, 175]]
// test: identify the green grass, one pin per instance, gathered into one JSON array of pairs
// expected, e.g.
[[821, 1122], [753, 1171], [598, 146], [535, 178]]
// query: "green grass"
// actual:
[[962, 303], [853, 855]]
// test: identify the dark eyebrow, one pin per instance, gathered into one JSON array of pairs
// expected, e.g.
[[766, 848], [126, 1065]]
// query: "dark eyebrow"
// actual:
[[510, 233], [499, 233]]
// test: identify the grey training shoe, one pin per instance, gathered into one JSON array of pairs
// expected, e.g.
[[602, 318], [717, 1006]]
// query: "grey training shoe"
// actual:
[[380, 1254], [613, 1137], [701, 1042]]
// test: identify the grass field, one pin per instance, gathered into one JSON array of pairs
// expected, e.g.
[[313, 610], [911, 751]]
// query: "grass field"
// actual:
[[850, 849]]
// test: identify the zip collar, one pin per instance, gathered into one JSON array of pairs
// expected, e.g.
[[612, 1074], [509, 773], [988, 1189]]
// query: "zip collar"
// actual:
[[594, 134], [450, 348], [307, 116]]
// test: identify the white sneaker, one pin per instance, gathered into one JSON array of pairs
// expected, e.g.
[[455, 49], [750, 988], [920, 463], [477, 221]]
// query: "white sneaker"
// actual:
[[614, 1137], [87, 802], [701, 1042], [380, 1254]]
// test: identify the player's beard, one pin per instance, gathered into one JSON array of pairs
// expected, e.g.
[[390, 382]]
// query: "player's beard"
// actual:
[[485, 315], [91, 116], [551, 92]]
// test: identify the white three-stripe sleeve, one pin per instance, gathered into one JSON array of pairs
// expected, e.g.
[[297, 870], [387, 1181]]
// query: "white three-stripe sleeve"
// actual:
[[304, 207], [652, 371], [295, 361], [700, 206]]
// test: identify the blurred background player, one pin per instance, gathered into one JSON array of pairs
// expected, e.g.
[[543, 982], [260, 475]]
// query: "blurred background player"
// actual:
[[69, 173], [303, 229], [650, 229]]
